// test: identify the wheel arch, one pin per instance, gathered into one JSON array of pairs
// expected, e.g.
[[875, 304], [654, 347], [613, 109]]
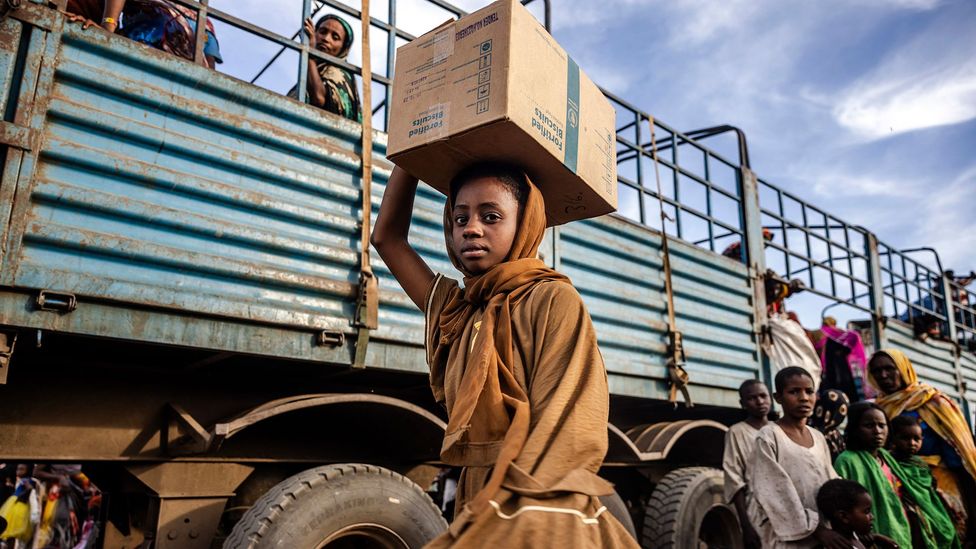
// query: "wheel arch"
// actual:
[[330, 427]]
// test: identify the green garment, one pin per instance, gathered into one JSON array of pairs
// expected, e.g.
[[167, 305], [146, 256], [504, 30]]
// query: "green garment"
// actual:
[[889, 515], [916, 478]]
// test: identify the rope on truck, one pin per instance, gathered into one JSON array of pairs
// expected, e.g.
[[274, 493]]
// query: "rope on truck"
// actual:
[[677, 376], [367, 305]]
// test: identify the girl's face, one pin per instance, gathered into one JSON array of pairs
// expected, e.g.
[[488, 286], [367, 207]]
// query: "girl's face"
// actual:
[[907, 441], [797, 397], [886, 374], [330, 36], [485, 220], [872, 430]]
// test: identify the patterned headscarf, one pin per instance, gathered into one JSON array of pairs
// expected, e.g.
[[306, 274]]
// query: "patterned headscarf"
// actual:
[[347, 43], [830, 412]]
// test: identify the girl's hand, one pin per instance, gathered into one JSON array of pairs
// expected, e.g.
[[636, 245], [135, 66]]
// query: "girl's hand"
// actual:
[[310, 31], [85, 22]]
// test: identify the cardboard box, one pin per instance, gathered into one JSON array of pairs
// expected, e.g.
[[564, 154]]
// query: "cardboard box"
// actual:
[[495, 86]]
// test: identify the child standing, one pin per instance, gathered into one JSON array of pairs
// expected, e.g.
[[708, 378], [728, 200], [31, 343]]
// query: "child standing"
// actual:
[[847, 505], [514, 359], [790, 464], [934, 520], [740, 442]]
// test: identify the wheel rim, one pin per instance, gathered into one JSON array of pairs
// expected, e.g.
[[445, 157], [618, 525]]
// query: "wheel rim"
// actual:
[[719, 529], [364, 536]]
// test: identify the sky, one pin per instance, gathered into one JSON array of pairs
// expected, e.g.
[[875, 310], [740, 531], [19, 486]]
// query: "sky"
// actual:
[[864, 108]]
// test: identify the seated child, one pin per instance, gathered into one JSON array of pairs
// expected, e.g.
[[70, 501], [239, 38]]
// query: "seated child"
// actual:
[[740, 441], [905, 442], [847, 505], [790, 464]]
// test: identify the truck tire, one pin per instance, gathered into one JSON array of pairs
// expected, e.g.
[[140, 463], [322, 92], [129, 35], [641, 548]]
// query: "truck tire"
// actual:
[[337, 506], [616, 506], [687, 511]]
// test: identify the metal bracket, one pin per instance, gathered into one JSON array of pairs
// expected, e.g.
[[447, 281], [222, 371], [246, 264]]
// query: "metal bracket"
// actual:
[[7, 6], [7, 343], [184, 435], [37, 15], [61, 302], [14, 135], [330, 338]]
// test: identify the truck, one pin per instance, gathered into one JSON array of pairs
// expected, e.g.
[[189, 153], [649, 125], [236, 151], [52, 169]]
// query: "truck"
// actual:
[[182, 303]]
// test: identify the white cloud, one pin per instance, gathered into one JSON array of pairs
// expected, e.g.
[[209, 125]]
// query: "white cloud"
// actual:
[[698, 21], [918, 5], [909, 100], [927, 81], [863, 186]]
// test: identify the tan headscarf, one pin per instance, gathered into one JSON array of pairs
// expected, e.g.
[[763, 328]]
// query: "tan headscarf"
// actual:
[[489, 422]]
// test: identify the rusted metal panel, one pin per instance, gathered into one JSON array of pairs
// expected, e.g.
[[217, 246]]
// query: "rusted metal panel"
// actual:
[[933, 359], [967, 362], [616, 266], [10, 41], [163, 184]]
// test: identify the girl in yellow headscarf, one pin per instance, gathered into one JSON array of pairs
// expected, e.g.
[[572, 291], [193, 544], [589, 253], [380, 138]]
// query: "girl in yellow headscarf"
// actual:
[[947, 444], [514, 360]]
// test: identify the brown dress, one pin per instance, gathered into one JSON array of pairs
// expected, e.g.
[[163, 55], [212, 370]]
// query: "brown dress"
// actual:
[[549, 495]]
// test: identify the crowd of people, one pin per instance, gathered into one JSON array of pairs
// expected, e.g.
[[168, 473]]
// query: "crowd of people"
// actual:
[[171, 27], [902, 474], [54, 506]]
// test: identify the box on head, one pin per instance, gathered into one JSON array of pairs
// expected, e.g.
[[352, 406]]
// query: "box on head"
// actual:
[[494, 85]]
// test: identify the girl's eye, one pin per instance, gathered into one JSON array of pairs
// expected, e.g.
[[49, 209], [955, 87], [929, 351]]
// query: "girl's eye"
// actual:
[[492, 217], [460, 220]]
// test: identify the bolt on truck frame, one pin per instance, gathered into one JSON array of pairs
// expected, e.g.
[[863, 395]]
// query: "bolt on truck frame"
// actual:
[[179, 283]]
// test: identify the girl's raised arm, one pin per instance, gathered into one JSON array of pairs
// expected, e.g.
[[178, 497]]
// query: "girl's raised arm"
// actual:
[[390, 237]]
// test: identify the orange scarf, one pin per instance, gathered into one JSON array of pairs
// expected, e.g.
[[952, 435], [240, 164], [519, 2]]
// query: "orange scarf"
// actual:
[[489, 422], [935, 408]]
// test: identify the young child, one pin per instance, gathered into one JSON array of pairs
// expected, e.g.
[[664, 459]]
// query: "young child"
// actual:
[[847, 505], [866, 461], [740, 441], [934, 520], [790, 464], [514, 359]]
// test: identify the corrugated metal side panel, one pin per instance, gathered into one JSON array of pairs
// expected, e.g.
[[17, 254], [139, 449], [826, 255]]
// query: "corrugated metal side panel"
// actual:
[[617, 268], [968, 362], [400, 321], [933, 360], [163, 184]]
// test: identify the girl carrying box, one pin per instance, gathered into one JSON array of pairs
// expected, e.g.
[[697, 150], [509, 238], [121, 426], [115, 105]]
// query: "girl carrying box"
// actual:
[[514, 359]]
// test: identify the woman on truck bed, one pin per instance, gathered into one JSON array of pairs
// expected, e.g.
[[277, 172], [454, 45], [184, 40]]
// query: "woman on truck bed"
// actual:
[[331, 87], [947, 444], [513, 357]]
